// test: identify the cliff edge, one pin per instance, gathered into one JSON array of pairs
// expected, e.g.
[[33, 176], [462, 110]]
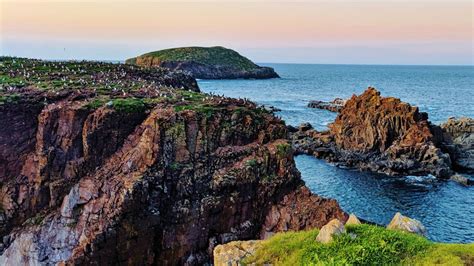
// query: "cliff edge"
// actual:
[[116, 164]]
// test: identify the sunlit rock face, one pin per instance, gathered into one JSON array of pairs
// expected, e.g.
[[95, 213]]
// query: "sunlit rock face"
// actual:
[[381, 134], [159, 175]]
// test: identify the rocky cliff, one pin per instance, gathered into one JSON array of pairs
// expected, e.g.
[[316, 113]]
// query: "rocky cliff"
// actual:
[[459, 141], [148, 173], [205, 63], [381, 134]]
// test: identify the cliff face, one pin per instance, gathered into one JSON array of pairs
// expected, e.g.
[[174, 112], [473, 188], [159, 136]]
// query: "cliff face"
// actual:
[[459, 141], [380, 134], [205, 63], [150, 181]]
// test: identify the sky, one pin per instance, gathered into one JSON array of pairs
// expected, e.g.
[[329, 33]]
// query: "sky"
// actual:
[[319, 31]]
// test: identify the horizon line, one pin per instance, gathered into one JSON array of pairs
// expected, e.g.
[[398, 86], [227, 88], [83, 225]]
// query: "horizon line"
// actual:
[[259, 63]]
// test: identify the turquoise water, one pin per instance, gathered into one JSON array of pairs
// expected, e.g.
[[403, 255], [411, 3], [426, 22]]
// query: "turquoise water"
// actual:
[[444, 207]]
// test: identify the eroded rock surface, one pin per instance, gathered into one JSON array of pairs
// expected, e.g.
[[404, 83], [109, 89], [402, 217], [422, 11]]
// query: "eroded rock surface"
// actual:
[[459, 138], [381, 134], [335, 105], [233, 253], [404, 223], [159, 180]]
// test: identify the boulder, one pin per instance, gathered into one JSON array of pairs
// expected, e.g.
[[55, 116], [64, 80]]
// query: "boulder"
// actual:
[[232, 254], [335, 105], [400, 222], [327, 232], [462, 180], [458, 136], [353, 220]]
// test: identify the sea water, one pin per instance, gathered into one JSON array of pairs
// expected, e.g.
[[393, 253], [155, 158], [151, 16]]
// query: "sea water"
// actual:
[[446, 208]]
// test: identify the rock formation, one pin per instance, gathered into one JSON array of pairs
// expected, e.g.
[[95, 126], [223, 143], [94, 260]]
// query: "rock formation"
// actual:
[[233, 253], [400, 222], [331, 229], [381, 134], [148, 174], [335, 105], [205, 63], [459, 141]]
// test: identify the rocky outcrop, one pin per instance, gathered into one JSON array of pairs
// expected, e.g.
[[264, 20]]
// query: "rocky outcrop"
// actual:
[[205, 63], [335, 105], [206, 71], [400, 222], [330, 230], [152, 180], [233, 253], [459, 141], [380, 134], [312, 212]]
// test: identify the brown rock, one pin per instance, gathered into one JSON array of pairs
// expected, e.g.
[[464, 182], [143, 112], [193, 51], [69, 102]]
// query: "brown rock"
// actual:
[[327, 232], [301, 210], [400, 222], [353, 220], [232, 254], [459, 140], [381, 134]]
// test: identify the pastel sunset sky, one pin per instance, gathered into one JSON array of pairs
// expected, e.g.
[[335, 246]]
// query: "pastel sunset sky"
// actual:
[[337, 31]]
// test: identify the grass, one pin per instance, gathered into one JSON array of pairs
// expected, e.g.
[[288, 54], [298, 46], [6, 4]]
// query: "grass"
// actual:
[[129, 105], [205, 55], [373, 245], [283, 149]]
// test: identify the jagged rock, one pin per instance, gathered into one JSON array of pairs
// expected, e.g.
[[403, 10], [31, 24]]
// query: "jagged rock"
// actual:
[[462, 180], [459, 139], [313, 212], [353, 220], [327, 232], [400, 222], [335, 105], [305, 127], [158, 184], [381, 134], [232, 253]]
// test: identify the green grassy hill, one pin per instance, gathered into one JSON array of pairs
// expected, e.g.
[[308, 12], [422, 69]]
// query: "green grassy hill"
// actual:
[[205, 55], [372, 245]]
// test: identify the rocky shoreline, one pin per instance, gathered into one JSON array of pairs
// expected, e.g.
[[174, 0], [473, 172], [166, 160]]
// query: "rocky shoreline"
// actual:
[[121, 164], [388, 136], [150, 173]]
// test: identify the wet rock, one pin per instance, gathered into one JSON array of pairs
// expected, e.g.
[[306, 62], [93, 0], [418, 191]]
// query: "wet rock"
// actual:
[[462, 180], [335, 105], [400, 222], [305, 127], [333, 228], [459, 140], [380, 134], [232, 254], [353, 220]]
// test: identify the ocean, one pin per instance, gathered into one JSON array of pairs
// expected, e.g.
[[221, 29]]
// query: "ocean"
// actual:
[[444, 207]]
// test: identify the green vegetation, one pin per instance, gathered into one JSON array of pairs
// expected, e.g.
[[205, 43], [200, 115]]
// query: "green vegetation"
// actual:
[[372, 245], [205, 55], [251, 163], [205, 109], [129, 105], [101, 78], [283, 149], [11, 98]]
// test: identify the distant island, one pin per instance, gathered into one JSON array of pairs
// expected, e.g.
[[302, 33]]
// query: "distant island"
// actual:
[[205, 63]]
